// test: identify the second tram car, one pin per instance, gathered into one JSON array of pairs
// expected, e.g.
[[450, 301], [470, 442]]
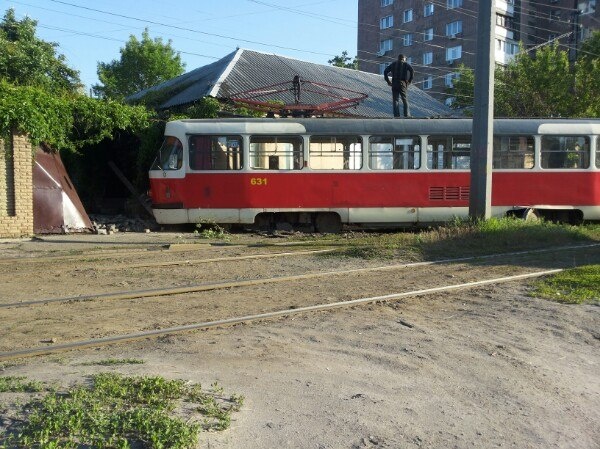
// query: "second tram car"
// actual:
[[323, 173]]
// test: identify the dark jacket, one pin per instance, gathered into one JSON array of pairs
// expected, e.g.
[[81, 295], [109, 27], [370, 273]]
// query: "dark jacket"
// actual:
[[400, 71]]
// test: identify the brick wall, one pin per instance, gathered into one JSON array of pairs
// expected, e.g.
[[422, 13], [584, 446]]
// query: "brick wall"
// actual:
[[16, 187]]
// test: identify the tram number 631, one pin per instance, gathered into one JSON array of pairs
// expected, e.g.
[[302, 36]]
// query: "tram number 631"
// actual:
[[258, 181]]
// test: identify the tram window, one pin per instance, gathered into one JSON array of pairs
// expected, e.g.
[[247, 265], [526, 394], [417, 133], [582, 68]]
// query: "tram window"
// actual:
[[513, 152], [394, 153], [597, 152], [565, 152], [335, 153], [170, 155], [449, 153], [215, 152], [276, 153]]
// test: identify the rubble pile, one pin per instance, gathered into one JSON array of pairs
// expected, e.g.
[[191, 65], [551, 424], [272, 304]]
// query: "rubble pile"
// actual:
[[107, 225]]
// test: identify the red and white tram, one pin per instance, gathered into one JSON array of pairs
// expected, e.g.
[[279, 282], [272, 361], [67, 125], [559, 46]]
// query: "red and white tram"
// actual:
[[384, 172]]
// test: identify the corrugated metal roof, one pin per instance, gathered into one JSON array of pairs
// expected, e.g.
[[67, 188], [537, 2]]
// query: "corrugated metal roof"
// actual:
[[245, 70]]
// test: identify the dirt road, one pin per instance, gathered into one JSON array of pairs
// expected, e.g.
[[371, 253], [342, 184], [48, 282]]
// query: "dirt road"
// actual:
[[481, 367]]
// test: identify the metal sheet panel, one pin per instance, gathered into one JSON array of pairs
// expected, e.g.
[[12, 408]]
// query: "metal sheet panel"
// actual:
[[57, 208]]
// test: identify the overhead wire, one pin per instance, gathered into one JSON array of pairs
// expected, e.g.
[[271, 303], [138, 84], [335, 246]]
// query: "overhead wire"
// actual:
[[460, 10], [191, 30]]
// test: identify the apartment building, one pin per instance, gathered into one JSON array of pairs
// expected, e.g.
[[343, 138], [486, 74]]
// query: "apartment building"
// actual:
[[438, 35]]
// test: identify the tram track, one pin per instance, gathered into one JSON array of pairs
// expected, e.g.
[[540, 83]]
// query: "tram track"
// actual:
[[73, 324], [139, 271], [97, 342], [157, 292], [166, 249]]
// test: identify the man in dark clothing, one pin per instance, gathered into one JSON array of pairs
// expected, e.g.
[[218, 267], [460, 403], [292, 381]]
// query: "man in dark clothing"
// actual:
[[402, 75]]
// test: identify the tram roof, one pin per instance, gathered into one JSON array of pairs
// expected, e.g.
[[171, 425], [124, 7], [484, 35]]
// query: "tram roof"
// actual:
[[412, 126], [244, 70]]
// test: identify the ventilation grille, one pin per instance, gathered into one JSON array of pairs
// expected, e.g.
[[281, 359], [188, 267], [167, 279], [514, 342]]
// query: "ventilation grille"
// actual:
[[449, 193]]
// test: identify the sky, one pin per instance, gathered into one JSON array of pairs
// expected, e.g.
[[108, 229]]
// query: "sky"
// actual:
[[203, 31]]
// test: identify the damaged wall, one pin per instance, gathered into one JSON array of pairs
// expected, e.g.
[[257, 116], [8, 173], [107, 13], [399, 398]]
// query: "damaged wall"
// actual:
[[16, 187]]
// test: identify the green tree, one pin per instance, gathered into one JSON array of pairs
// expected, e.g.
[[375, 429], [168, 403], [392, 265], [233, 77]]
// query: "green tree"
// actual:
[[536, 86], [27, 60], [587, 78], [344, 61], [65, 121], [462, 89], [143, 64], [539, 85]]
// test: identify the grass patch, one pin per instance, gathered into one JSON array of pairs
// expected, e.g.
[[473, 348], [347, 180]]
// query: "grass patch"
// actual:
[[574, 286], [15, 384], [459, 238], [117, 411]]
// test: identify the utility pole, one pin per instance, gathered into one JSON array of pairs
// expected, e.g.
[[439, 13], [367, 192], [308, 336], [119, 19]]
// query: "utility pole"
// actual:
[[575, 38], [480, 202]]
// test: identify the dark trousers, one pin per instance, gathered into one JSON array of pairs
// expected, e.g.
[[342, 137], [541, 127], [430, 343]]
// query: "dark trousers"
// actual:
[[400, 91]]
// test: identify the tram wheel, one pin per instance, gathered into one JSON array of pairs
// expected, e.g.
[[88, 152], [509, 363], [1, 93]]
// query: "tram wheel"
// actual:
[[531, 215], [328, 223]]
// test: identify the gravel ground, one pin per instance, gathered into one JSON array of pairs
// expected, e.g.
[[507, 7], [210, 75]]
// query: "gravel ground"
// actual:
[[482, 367]]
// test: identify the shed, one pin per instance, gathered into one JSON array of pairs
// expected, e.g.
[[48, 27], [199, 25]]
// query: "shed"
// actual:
[[244, 70]]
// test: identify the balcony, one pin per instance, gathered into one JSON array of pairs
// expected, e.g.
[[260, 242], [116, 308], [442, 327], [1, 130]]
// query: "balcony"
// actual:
[[505, 7]]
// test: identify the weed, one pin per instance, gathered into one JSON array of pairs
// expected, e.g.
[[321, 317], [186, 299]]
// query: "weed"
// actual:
[[121, 412], [207, 229], [16, 384], [112, 362]]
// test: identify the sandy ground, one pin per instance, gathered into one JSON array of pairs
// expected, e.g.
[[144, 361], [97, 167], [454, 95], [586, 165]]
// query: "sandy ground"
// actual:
[[482, 367]]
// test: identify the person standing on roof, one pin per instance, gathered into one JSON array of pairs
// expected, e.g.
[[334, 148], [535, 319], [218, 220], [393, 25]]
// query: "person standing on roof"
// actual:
[[402, 75]]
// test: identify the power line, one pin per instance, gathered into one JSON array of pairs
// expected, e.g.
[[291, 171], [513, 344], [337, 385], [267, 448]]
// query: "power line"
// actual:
[[189, 29]]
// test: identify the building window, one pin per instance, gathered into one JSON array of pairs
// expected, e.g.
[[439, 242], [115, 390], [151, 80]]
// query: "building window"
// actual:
[[386, 22], [407, 16], [385, 3], [428, 34], [453, 53], [450, 77], [504, 21], [453, 28], [385, 45], [554, 14], [428, 9], [427, 58], [587, 7], [407, 40], [451, 4], [427, 82], [512, 49], [409, 59]]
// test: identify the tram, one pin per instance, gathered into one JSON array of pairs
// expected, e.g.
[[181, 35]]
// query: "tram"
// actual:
[[321, 173]]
